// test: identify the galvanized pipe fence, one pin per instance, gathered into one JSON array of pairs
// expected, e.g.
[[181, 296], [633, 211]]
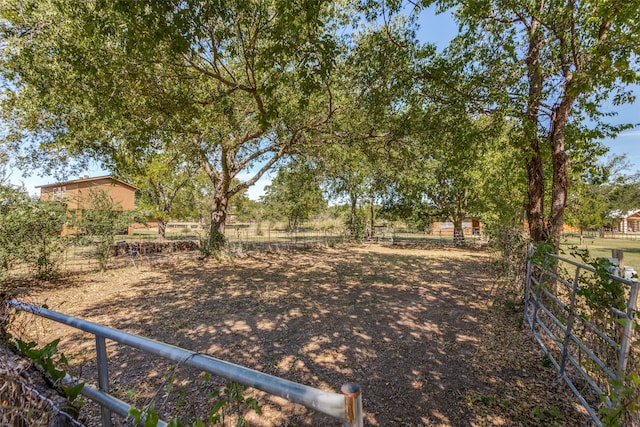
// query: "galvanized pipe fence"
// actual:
[[345, 406], [588, 358]]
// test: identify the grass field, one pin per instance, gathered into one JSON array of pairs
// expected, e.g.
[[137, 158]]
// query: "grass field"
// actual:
[[601, 247]]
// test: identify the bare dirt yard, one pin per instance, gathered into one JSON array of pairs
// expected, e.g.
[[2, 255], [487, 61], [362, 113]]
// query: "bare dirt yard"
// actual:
[[430, 334]]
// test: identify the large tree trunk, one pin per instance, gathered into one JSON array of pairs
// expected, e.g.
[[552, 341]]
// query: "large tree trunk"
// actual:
[[535, 196], [353, 221], [458, 232], [560, 163], [373, 218], [162, 229], [535, 171], [218, 220]]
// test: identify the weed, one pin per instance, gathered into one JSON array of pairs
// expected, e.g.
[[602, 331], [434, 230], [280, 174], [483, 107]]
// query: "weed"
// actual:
[[546, 361], [44, 357]]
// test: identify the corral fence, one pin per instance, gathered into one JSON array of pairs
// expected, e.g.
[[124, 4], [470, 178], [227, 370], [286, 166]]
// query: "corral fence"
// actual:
[[345, 406], [591, 347], [605, 234], [81, 257], [248, 237]]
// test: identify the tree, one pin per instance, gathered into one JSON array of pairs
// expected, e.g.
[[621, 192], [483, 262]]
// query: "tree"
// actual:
[[11, 198], [294, 193], [623, 193], [445, 170], [232, 84], [345, 175], [603, 194], [30, 232], [503, 192], [373, 99], [101, 222], [246, 209], [587, 208], [549, 64], [166, 182]]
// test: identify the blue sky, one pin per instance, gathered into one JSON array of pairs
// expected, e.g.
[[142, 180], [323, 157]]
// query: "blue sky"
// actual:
[[438, 29]]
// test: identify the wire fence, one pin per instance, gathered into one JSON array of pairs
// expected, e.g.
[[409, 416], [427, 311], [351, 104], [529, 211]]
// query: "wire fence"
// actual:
[[144, 246], [630, 235]]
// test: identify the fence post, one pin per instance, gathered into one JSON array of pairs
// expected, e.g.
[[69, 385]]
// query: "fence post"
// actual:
[[103, 377], [531, 296], [527, 278], [619, 255], [353, 402], [627, 332]]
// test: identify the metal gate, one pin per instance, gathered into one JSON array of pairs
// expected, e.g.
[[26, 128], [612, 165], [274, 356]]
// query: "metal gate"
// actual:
[[590, 355], [345, 406]]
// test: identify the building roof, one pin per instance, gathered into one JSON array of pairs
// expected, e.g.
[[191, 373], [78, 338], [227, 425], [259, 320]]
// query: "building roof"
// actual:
[[620, 214], [87, 179]]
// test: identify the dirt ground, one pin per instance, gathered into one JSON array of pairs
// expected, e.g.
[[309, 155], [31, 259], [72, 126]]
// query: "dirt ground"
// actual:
[[430, 334]]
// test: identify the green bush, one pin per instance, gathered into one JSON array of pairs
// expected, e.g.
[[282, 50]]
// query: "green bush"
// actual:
[[30, 232], [101, 222]]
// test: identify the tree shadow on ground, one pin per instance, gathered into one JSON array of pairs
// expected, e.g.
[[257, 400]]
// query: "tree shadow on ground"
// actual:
[[417, 329]]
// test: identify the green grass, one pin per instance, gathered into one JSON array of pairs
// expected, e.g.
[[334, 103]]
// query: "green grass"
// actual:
[[602, 248]]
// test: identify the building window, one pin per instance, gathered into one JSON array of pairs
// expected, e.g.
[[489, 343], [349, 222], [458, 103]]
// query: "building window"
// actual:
[[59, 193]]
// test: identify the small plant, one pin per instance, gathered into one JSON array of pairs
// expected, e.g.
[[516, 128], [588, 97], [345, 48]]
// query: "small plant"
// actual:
[[231, 401], [228, 404], [44, 357], [480, 398], [212, 243], [546, 361], [540, 255], [31, 233], [149, 416]]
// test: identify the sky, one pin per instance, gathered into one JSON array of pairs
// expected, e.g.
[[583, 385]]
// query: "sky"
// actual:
[[434, 28]]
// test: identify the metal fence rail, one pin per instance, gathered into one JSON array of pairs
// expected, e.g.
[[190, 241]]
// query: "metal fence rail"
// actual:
[[562, 329], [346, 407]]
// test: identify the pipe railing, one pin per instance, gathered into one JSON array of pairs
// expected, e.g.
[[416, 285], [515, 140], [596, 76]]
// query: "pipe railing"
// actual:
[[345, 406]]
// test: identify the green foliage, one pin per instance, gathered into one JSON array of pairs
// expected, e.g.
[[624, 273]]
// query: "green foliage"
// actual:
[[445, 166], [100, 222], [587, 209], [602, 194], [246, 209], [212, 243], [625, 393], [30, 232], [167, 186], [597, 293], [44, 357], [74, 391], [295, 194], [598, 290], [228, 85], [356, 224], [227, 404], [541, 254], [623, 193], [149, 416], [551, 65], [231, 401]]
